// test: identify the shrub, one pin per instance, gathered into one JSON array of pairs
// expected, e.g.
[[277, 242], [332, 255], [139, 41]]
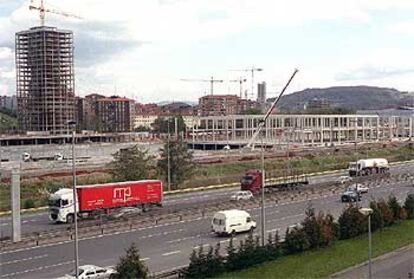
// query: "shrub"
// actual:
[[395, 207], [295, 241], [130, 265], [29, 203], [409, 206], [386, 213], [351, 223], [377, 222]]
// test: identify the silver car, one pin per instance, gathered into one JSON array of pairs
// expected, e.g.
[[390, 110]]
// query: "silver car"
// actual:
[[242, 195]]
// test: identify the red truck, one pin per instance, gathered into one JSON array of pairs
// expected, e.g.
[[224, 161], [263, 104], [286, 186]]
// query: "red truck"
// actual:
[[252, 181], [103, 197]]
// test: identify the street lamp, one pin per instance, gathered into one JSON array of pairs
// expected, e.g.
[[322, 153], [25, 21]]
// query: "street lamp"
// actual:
[[168, 157], [368, 212], [72, 124]]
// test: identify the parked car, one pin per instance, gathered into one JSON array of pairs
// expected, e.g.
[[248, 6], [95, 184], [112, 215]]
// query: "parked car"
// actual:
[[90, 272], [230, 222], [358, 188], [241, 195], [344, 179], [350, 196]]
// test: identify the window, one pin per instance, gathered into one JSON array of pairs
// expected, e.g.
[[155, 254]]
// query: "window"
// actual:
[[248, 219], [100, 271], [90, 273], [65, 202]]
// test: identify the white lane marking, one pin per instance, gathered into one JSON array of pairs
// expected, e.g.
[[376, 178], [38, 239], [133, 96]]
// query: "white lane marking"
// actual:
[[181, 239], [171, 253], [144, 259], [35, 269], [22, 260]]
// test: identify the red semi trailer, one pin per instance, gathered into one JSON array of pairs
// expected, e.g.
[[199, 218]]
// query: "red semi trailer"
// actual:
[[98, 197]]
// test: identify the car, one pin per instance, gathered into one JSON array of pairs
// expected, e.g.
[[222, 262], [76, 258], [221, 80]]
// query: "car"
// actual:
[[242, 195], [350, 196], [227, 147], [344, 179], [359, 188], [90, 271]]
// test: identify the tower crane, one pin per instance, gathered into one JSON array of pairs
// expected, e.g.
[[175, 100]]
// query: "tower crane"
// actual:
[[211, 81], [252, 70], [42, 12], [240, 81]]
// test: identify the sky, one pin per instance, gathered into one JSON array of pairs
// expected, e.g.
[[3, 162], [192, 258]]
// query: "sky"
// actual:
[[142, 49]]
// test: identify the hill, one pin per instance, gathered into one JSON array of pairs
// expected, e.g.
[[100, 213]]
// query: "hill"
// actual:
[[355, 97]]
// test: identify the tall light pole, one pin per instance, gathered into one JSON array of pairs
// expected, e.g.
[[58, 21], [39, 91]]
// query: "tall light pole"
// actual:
[[72, 124], [368, 212], [251, 143], [168, 157], [262, 213]]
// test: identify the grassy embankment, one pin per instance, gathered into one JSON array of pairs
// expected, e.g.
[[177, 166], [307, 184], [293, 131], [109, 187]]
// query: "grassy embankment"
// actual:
[[34, 189], [341, 255]]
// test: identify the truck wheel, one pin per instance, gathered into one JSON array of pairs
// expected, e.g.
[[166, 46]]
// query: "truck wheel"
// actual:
[[251, 229], [233, 233], [70, 219]]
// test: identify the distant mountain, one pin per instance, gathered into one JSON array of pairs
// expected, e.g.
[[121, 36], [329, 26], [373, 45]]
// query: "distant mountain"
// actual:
[[350, 97], [179, 103]]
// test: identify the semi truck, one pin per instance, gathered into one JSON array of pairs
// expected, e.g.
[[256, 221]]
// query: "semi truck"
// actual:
[[252, 181], [98, 198], [368, 167]]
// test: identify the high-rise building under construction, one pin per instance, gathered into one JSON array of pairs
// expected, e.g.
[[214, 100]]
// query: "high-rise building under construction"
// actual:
[[45, 79]]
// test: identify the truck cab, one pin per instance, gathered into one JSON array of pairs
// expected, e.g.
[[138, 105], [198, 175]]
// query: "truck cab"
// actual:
[[252, 181], [61, 206]]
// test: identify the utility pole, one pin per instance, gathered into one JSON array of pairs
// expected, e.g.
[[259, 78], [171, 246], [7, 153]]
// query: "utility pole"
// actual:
[[261, 124], [72, 124], [168, 157]]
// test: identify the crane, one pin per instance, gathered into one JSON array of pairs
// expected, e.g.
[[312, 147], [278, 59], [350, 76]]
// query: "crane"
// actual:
[[252, 70], [240, 80], [211, 80], [42, 11], [262, 122]]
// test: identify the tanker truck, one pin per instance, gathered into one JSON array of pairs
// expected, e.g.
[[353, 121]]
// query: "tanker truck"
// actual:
[[98, 198], [368, 167]]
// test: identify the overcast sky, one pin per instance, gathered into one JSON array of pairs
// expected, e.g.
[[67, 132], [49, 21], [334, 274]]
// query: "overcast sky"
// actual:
[[142, 48]]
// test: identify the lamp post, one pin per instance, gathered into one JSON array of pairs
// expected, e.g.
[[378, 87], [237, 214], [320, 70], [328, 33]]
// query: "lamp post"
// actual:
[[168, 157], [72, 124], [262, 215], [368, 212]]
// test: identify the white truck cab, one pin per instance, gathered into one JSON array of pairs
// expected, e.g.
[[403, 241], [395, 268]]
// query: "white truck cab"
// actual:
[[61, 206], [230, 222]]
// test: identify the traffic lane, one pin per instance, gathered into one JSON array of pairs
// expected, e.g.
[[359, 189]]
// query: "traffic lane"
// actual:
[[39, 222], [397, 264], [162, 236]]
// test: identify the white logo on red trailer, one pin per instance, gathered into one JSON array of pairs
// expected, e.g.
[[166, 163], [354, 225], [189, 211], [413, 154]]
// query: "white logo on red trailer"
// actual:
[[122, 193]]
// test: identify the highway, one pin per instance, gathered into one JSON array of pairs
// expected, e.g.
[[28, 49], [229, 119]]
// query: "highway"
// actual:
[[37, 222], [169, 245]]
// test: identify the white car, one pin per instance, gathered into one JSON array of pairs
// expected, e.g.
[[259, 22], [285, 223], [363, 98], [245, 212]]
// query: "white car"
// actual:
[[91, 272], [344, 179], [358, 188], [241, 195]]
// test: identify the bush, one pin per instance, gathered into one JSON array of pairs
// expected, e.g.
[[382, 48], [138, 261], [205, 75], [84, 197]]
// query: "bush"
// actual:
[[351, 223], [377, 222], [130, 265], [29, 203], [295, 241], [395, 207], [387, 215], [409, 206]]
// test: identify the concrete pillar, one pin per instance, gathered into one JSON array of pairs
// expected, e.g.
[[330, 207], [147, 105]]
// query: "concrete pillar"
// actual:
[[15, 205]]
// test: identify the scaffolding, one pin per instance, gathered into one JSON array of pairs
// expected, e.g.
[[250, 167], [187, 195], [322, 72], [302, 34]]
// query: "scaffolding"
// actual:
[[45, 79]]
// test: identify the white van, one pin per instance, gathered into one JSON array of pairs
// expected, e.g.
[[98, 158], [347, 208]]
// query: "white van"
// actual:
[[230, 222]]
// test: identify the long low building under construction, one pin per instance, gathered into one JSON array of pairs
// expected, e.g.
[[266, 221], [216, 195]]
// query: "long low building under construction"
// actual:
[[309, 130]]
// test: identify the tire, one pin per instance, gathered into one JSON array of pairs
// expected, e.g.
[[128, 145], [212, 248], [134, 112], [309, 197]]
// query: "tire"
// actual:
[[70, 218], [233, 233], [251, 229]]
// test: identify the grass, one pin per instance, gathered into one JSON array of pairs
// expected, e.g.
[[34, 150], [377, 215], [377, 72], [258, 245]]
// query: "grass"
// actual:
[[343, 254]]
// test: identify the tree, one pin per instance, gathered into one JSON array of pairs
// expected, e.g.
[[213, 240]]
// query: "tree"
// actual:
[[351, 223], [162, 125], [131, 164], [130, 265], [180, 161], [395, 207], [142, 129], [409, 206], [295, 241]]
